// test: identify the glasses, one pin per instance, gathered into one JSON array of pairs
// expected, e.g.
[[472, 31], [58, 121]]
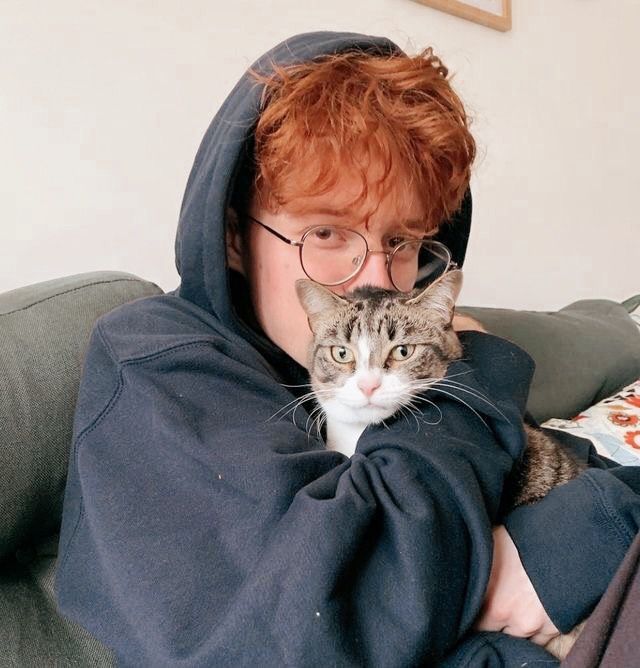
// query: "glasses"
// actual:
[[332, 255]]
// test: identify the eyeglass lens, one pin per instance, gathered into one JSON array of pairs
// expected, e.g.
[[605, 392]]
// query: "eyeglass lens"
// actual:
[[334, 255]]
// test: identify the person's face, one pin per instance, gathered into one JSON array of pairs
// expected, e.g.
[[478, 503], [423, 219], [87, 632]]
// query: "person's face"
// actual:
[[272, 266]]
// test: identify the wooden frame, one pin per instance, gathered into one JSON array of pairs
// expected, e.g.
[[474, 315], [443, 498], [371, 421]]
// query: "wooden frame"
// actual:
[[494, 14]]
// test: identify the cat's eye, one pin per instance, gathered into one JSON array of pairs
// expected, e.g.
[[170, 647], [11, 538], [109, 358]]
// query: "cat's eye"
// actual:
[[342, 354], [402, 352]]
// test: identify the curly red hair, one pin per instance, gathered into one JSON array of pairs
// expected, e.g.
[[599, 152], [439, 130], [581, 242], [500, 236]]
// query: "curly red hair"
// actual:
[[346, 110]]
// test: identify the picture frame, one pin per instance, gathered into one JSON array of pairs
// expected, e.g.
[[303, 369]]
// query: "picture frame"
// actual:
[[494, 14]]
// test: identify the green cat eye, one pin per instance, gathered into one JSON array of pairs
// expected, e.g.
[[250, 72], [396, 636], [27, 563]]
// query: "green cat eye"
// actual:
[[402, 352], [342, 354]]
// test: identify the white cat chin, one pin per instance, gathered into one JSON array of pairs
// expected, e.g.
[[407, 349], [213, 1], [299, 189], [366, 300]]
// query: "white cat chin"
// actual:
[[365, 414]]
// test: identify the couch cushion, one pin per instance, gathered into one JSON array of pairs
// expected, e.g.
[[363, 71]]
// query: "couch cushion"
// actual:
[[44, 329], [583, 353]]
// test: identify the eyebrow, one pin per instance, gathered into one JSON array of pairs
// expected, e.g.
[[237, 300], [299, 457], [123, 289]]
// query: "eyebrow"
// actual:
[[411, 223]]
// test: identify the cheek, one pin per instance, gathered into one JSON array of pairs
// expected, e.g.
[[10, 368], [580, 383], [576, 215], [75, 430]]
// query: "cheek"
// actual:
[[271, 273], [273, 270], [395, 387]]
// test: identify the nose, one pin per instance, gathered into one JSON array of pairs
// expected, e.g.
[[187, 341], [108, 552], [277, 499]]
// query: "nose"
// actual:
[[368, 385], [374, 273]]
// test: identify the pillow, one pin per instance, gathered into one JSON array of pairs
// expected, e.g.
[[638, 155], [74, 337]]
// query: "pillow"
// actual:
[[612, 425], [583, 353]]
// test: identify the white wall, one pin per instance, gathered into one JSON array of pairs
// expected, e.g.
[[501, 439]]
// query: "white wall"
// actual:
[[103, 105]]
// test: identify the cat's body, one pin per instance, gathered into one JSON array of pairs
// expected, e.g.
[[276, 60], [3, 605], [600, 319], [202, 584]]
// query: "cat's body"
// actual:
[[374, 352]]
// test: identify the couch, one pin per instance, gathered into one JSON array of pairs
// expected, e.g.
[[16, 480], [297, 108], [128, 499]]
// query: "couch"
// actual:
[[583, 353]]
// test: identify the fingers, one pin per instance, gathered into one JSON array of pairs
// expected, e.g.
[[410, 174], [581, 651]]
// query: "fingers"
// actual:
[[464, 322], [542, 638], [536, 627]]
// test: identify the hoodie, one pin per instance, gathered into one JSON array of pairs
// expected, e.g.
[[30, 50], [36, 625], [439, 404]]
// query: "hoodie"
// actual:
[[199, 530]]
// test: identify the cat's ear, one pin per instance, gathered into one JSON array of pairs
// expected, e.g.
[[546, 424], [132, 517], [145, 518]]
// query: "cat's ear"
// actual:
[[442, 295], [316, 300]]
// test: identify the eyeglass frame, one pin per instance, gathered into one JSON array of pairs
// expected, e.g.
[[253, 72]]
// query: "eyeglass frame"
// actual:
[[389, 254]]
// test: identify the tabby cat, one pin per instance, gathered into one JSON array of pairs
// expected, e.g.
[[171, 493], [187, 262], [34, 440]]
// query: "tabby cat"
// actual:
[[374, 350]]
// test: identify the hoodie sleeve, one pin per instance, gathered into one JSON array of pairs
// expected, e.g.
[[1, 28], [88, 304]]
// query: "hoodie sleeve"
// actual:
[[573, 540], [201, 530]]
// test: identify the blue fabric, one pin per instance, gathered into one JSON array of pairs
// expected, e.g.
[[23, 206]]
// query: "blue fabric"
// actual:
[[196, 529], [572, 541], [200, 531]]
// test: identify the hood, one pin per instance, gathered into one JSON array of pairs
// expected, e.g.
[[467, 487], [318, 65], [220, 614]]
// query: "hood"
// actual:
[[200, 242]]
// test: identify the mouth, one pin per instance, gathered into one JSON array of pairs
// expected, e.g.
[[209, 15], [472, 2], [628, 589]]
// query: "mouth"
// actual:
[[377, 411], [366, 405]]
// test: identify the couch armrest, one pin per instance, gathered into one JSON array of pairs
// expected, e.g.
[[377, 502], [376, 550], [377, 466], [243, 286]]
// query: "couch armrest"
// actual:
[[44, 330]]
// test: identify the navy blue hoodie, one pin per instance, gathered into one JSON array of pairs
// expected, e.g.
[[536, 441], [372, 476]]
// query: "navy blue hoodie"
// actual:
[[197, 531]]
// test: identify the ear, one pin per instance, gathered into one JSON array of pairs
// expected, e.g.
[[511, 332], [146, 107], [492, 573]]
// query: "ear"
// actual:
[[441, 296], [234, 241], [316, 300]]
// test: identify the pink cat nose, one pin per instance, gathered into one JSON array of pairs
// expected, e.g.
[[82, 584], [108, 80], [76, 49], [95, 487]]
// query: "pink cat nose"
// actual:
[[368, 385]]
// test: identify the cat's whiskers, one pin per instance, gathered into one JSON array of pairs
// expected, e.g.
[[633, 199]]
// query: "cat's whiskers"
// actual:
[[297, 402], [430, 383], [294, 403], [414, 412], [455, 375], [402, 411], [420, 398], [320, 420], [452, 384], [462, 401], [313, 417]]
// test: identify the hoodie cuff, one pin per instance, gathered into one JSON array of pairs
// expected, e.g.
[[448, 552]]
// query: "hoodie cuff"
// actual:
[[572, 542], [496, 650]]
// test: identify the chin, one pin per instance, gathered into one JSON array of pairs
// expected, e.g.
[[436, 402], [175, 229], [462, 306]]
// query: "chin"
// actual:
[[375, 414], [366, 414]]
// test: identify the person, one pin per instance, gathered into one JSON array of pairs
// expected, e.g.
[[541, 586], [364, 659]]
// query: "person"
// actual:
[[204, 526]]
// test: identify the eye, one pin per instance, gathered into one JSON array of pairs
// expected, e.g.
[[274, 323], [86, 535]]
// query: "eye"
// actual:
[[341, 354], [394, 241], [327, 237], [323, 233], [402, 352]]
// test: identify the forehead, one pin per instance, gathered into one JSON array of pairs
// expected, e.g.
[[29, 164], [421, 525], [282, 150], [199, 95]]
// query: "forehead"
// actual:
[[373, 203]]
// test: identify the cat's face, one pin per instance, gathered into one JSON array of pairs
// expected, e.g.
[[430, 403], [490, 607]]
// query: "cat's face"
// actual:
[[371, 346]]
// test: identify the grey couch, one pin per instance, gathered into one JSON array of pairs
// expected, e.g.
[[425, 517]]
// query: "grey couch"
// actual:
[[583, 353]]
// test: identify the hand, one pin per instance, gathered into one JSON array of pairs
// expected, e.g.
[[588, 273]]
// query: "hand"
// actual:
[[511, 604], [464, 322]]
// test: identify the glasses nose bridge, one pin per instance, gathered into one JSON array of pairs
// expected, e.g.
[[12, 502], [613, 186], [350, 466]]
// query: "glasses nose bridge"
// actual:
[[387, 254], [380, 252]]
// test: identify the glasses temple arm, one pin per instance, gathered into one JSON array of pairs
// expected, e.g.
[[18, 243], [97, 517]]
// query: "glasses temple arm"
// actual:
[[275, 233]]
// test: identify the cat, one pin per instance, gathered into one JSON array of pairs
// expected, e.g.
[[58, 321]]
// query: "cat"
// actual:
[[375, 344]]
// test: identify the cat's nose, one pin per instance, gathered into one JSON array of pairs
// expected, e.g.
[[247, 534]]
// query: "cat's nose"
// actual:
[[368, 385]]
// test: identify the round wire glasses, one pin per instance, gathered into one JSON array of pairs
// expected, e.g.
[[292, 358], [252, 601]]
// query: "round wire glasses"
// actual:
[[332, 255]]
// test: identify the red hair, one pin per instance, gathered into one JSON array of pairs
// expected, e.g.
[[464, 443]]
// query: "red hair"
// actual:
[[341, 112]]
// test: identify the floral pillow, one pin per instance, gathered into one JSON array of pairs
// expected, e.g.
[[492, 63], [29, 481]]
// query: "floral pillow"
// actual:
[[613, 425]]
